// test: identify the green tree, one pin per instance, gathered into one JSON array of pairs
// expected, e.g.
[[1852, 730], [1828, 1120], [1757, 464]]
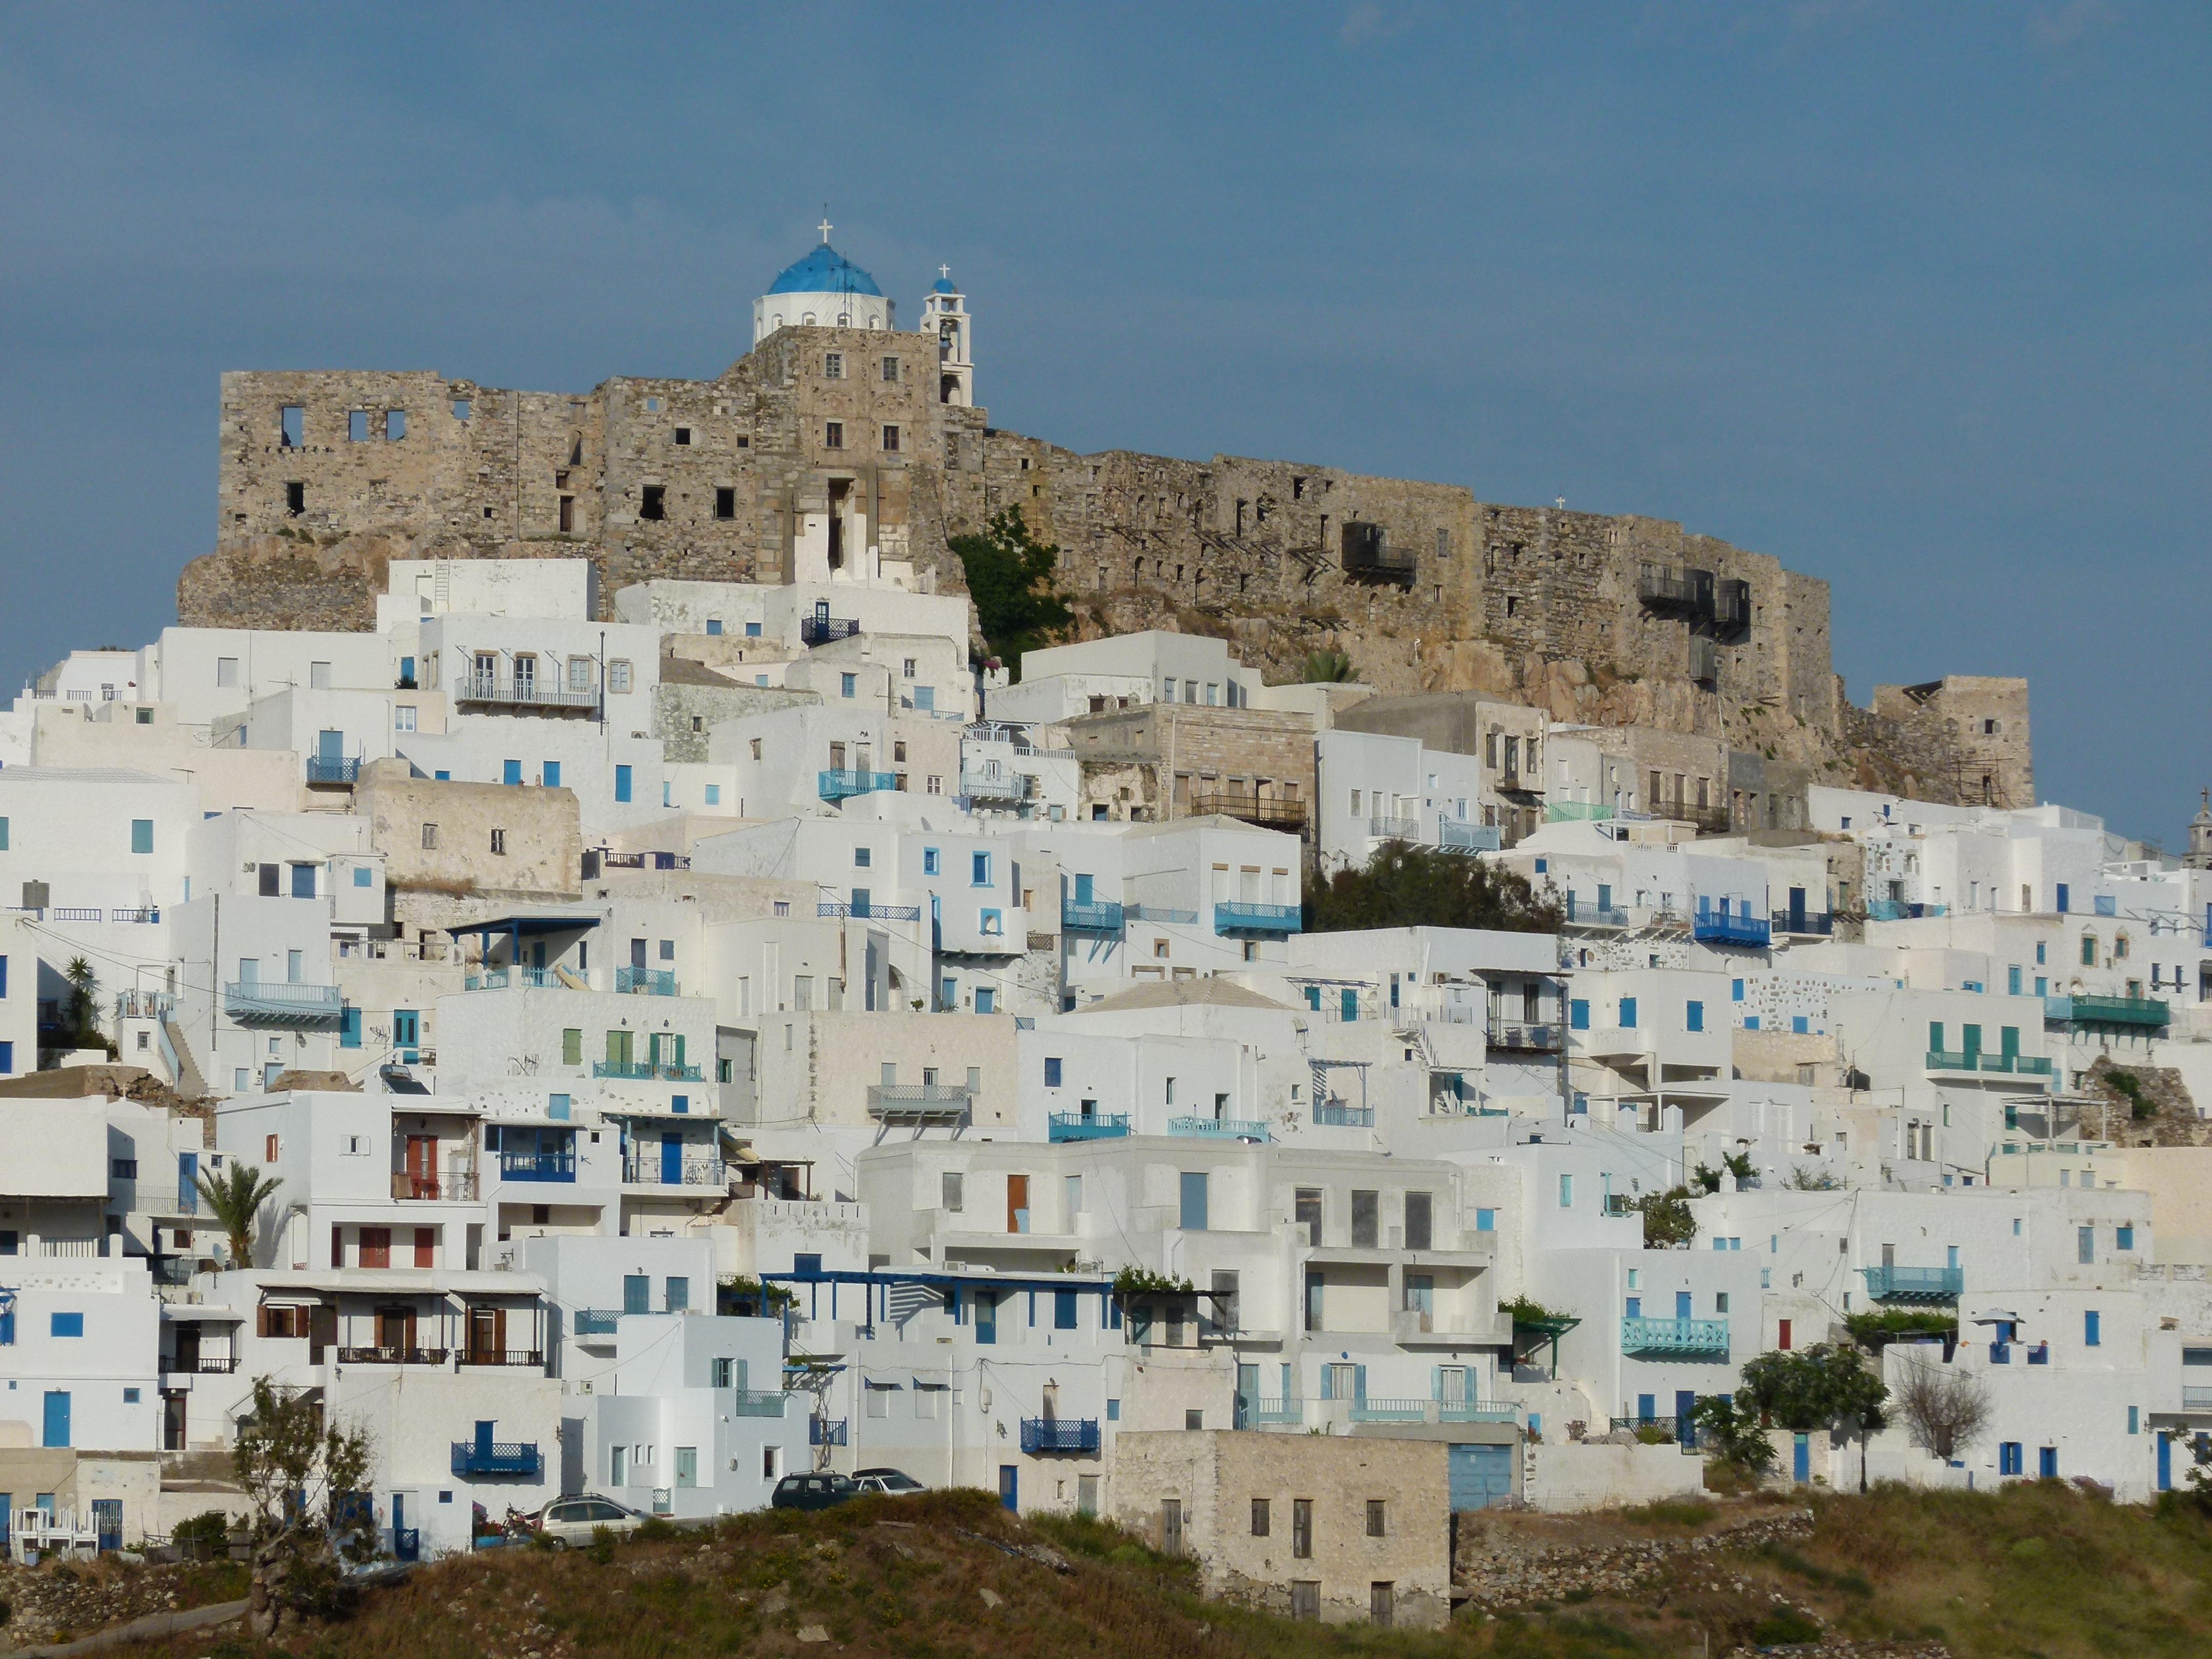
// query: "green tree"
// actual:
[[1009, 577], [1668, 1222], [1824, 1387], [235, 1199], [305, 1478], [1403, 885], [1733, 1433], [1329, 667]]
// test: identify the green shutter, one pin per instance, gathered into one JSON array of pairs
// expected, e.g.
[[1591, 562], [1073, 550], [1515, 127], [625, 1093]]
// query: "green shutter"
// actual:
[[572, 1046]]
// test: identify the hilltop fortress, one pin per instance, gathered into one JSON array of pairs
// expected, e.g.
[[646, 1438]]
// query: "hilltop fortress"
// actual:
[[841, 447]]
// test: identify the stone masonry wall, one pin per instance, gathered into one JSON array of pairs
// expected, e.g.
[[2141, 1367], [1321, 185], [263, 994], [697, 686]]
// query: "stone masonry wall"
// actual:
[[1426, 587]]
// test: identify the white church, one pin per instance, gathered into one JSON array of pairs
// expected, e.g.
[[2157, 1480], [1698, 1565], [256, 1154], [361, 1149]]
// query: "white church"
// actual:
[[826, 289]]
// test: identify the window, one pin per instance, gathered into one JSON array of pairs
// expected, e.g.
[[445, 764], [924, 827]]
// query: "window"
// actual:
[[142, 834], [849, 684], [2085, 1243], [65, 1324], [1378, 1517], [1192, 1211], [1566, 1192], [1628, 1013], [1259, 1517], [1052, 1073], [1364, 1206], [653, 504], [890, 441], [833, 365], [1694, 1017], [833, 434], [929, 860], [950, 1191], [621, 783], [725, 506], [2009, 1457], [2124, 1238], [618, 677], [2088, 950], [226, 671], [395, 425], [1578, 1014], [402, 717], [979, 869], [1419, 1228], [1302, 1529], [2092, 1328], [429, 837]]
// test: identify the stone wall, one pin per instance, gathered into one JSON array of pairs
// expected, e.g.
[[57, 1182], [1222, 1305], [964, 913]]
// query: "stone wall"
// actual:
[[809, 450], [539, 831]]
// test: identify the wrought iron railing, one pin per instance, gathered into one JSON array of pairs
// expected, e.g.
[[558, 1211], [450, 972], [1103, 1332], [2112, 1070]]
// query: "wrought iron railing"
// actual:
[[1098, 916], [1059, 1434], [498, 1457], [645, 982]]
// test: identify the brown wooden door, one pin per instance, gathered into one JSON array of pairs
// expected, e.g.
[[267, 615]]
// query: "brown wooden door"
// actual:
[[422, 1165], [376, 1247], [322, 1331], [488, 1335], [1018, 1203]]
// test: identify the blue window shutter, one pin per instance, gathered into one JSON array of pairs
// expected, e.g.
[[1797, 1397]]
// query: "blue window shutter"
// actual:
[[1694, 1017], [349, 1028], [510, 771], [1578, 1014], [621, 783], [1435, 1383], [1359, 1382], [1328, 1382], [1628, 1013]]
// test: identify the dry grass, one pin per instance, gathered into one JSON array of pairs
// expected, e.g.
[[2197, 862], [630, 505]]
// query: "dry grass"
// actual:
[[2035, 1570]]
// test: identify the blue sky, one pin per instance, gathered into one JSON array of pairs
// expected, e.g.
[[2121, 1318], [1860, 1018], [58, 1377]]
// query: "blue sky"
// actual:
[[1915, 297]]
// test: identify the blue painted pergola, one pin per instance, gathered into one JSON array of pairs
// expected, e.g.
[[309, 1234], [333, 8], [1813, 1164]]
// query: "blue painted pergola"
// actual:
[[516, 928], [874, 1291]]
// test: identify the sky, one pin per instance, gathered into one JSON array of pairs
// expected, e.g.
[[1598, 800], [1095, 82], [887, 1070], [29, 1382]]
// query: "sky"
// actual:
[[1915, 299]]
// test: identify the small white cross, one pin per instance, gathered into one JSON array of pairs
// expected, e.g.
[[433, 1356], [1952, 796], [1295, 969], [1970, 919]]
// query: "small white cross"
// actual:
[[946, 271], [824, 227]]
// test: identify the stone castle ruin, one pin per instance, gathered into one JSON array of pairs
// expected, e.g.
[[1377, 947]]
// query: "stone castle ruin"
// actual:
[[843, 448]]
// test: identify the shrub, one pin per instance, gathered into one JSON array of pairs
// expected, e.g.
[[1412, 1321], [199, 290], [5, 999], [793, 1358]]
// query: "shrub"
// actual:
[[602, 1545], [655, 1529], [1784, 1626], [1670, 1512]]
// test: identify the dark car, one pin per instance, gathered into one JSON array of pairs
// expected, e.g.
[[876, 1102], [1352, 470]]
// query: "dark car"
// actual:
[[824, 1489], [892, 1483]]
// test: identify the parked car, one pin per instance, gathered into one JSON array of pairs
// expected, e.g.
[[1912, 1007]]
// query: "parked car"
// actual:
[[568, 1521], [892, 1483], [824, 1489]]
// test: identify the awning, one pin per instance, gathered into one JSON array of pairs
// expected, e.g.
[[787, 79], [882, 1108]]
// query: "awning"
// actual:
[[527, 925], [193, 1313]]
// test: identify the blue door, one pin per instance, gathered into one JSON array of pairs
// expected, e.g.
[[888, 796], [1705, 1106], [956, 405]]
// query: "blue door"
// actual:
[[2166, 1463], [58, 1417], [1248, 1388], [1796, 909], [330, 746], [406, 1541], [107, 1522], [1681, 1304], [1647, 1408], [1800, 1459], [1009, 1486], [188, 1182], [1685, 1402], [1085, 886], [1481, 1476], [671, 1160]]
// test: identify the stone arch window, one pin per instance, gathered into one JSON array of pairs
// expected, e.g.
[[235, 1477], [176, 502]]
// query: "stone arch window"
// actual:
[[806, 319], [2088, 950], [776, 321], [2119, 947]]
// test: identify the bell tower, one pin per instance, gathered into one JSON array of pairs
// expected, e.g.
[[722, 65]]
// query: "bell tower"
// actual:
[[944, 313], [2199, 856]]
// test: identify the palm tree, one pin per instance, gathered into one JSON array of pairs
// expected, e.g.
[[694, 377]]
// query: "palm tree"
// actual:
[[1329, 667], [235, 1200]]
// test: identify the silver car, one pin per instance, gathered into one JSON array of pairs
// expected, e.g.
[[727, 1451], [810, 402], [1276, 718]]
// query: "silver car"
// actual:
[[567, 1520], [892, 1483]]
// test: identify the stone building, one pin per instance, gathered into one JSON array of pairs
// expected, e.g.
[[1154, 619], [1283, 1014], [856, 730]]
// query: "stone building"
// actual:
[[851, 453], [1175, 760], [1342, 1528]]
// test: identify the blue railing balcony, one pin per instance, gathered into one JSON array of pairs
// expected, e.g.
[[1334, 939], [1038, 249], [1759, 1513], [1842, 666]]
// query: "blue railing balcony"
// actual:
[[1583, 915], [758, 1402], [1914, 1284], [1059, 1434], [1218, 1128], [1675, 1336], [827, 630], [1372, 1408], [1470, 1411], [1073, 1126], [538, 1166], [868, 910], [945, 1105], [595, 1321], [842, 783], [1453, 836], [333, 769], [1266, 1408], [502, 978], [1902, 909], [644, 1071], [645, 982], [1577, 811], [826, 1432], [2039, 1354], [1255, 918], [1102, 916], [1804, 923], [498, 1457], [2104, 1011], [1731, 927], [270, 1003], [1338, 1114]]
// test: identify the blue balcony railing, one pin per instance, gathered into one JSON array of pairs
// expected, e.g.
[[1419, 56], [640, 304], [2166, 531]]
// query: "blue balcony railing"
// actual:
[[272, 1004], [1804, 923], [826, 630], [644, 1071], [1073, 1126], [1915, 1283], [842, 783], [868, 910], [1583, 914], [1265, 1408], [595, 1321], [645, 982], [1218, 1128], [502, 979], [538, 1166], [1338, 1114], [1255, 918], [1374, 1408], [1902, 910], [1731, 927], [1059, 1434], [498, 1457], [332, 768], [2104, 1011], [1103, 916], [826, 1432], [1675, 1336]]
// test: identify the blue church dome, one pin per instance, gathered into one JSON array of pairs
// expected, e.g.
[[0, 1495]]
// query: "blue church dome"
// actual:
[[824, 271], [942, 285]]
